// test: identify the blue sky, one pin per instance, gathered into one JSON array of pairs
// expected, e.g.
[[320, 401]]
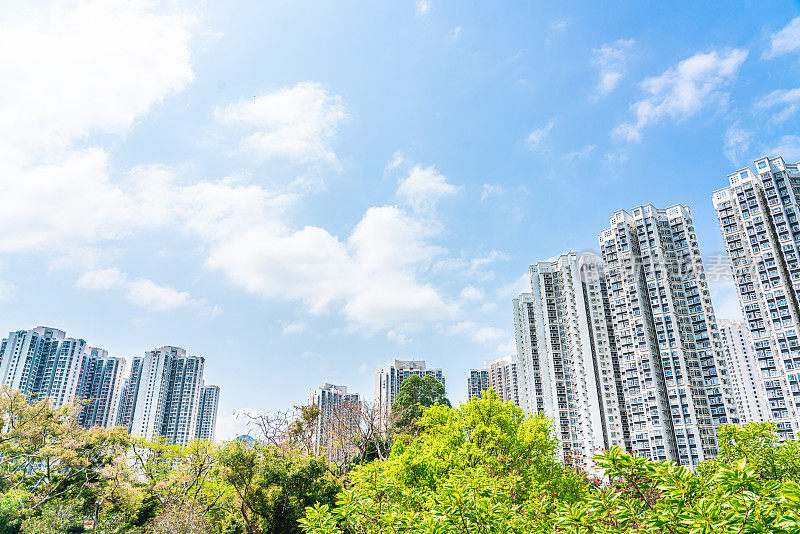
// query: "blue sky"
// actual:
[[300, 191]]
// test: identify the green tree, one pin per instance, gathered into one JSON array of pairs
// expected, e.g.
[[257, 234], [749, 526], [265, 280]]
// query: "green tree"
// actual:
[[481, 467], [273, 487], [416, 393]]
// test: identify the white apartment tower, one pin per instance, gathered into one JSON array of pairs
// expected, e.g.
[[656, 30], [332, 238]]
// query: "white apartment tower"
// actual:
[[500, 375], [43, 363], [567, 355], [389, 378], [207, 413], [748, 388], [130, 388], [338, 421], [168, 396], [101, 388], [758, 215], [673, 370]]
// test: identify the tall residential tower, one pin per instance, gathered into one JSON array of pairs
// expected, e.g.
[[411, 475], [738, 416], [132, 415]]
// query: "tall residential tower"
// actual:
[[758, 215], [567, 355], [673, 371]]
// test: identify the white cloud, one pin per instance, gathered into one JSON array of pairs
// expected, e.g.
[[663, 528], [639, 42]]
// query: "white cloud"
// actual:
[[788, 146], [142, 292], [785, 41], [583, 153], [683, 90], [83, 68], [479, 332], [737, 143], [423, 187], [111, 63], [295, 327], [455, 32], [787, 99], [372, 277], [472, 293], [423, 7], [295, 123], [537, 137], [102, 279], [611, 62]]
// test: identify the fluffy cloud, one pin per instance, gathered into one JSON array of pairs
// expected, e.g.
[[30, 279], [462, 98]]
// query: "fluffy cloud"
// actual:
[[423, 7], [537, 137], [111, 60], [423, 187], [611, 62], [479, 332], [787, 99], [683, 90], [785, 41], [294, 123], [142, 292], [371, 277]]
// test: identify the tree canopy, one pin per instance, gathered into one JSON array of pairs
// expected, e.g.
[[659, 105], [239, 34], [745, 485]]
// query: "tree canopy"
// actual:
[[417, 393]]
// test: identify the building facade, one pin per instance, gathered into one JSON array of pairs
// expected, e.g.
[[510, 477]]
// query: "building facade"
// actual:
[[500, 375], [672, 364], [101, 388], [758, 215], [567, 354], [207, 413], [168, 396], [43, 363], [748, 388], [390, 377], [338, 421], [130, 388]]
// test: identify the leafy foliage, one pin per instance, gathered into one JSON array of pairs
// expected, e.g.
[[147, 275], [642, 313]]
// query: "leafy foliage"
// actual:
[[483, 467], [417, 393]]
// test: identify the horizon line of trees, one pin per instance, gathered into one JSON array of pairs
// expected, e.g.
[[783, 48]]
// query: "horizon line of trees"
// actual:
[[481, 467]]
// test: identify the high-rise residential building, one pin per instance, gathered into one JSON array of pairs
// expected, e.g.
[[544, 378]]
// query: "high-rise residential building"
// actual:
[[748, 388], [500, 375], [758, 215], [531, 389], [567, 355], [389, 378], [43, 363], [207, 413], [101, 386], [130, 388], [168, 395], [338, 421], [673, 370], [477, 382]]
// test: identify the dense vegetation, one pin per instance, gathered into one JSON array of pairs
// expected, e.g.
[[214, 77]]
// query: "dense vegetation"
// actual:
[[482, 467]]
